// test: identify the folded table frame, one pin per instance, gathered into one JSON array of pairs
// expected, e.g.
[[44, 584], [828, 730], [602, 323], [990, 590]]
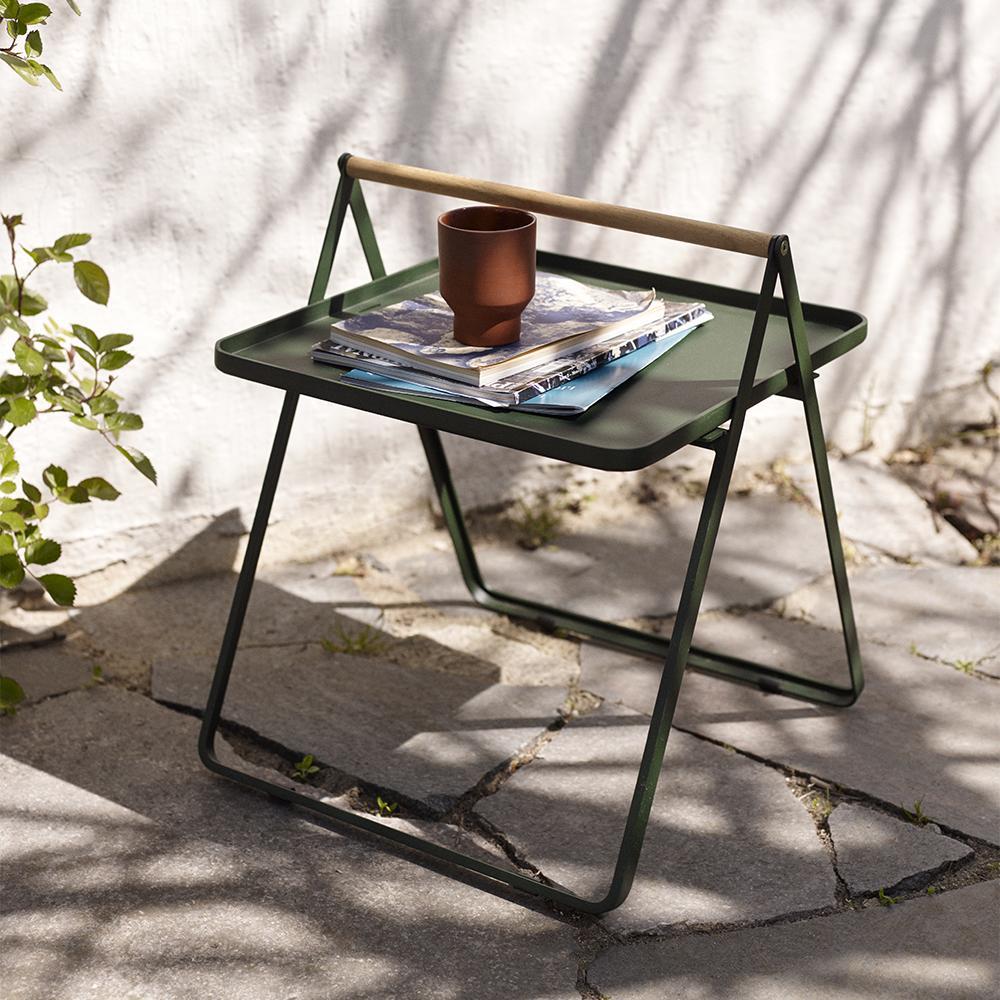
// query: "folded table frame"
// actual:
[[717, 429]]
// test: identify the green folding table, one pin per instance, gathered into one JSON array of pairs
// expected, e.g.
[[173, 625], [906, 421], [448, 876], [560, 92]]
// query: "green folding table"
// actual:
[[697, 395]]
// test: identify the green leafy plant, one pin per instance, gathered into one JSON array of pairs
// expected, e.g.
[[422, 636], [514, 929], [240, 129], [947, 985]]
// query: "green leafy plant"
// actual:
[[22, 23], [304, 769], [884, 900], [364, 641], [54, 371], [11, 695], [385, 808]]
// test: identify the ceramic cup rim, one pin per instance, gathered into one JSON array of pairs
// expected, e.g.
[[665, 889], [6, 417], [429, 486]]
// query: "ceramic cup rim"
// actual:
[[444, 219]]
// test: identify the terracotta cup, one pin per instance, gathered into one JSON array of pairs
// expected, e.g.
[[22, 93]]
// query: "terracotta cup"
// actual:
[[487, 259]]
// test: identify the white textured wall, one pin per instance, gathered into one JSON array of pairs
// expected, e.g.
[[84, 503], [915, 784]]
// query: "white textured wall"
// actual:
[[198, 142]]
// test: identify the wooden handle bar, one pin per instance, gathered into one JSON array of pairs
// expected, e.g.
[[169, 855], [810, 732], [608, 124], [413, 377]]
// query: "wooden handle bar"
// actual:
[[633, 220]]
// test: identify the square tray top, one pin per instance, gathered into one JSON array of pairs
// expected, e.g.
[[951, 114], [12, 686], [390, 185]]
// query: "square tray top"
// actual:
[[677, 399]]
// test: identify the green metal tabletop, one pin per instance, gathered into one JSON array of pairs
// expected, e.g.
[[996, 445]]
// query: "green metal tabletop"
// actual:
[[677, 399]]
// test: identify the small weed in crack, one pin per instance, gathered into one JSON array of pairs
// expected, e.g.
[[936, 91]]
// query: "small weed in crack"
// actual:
[[304, 769], [536, 525], [917, 817], [363, 641]]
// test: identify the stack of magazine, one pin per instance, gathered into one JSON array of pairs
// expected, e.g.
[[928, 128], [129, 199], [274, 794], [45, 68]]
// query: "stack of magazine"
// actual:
[[578, 342]]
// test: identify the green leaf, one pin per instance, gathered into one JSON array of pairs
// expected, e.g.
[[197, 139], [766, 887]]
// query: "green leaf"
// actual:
[[69, 241], [11, 694], [41, 511], [87, 356], [87, 336], [8, 290], [32, 303], [73, 494], [11, 570], [10, 468], [73, 7], [60, 588], [40, 70], [28, 359], [33, 13], [33, 493], [92, 281], [122, 421], [100, 489], [113, 340], [139, 460], [68, 404], [42, 552], [15, 323], [6, 543], [115, 359], [13, 520], [12, 384], [33, 44], [55, 477], [18, 65], [88, 423], [105, 403], [8, 486], [22, 411]]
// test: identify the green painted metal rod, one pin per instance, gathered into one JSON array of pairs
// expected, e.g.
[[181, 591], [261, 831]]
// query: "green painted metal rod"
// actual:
[[563, 206]]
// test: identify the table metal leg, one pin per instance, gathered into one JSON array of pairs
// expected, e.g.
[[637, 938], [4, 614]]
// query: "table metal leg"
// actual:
[[731, 668]]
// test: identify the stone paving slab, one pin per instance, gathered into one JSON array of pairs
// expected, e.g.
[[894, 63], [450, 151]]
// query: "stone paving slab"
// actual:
[[875, 850], [476, 646], [920, 729], [420, 733], [939, 948], [190, 617], [48, 670], [876, 509], [132, 871], [726, 840], [947, 612], [636, 568]]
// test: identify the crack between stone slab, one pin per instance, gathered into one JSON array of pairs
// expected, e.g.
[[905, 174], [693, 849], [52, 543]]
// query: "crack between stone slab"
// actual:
[[964, 667], [684, 929], [776, 608], [462, 812], [362, 795], [820, 816], [36, 642], [845, 792], [262, 751]]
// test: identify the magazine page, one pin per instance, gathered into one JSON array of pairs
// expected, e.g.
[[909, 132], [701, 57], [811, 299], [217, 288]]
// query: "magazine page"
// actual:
[[562, 308]]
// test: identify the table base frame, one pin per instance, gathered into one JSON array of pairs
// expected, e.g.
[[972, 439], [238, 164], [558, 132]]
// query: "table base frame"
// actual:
[[677, 651]]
